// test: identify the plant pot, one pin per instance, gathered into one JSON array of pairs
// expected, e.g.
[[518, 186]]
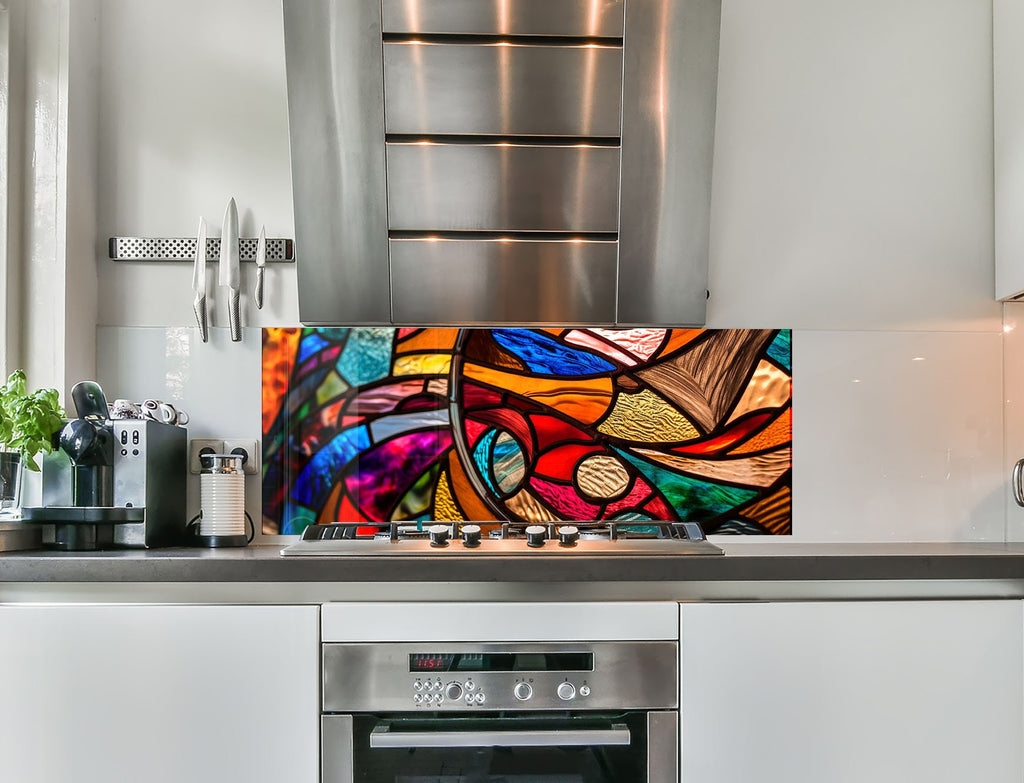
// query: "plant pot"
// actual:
[[11, 470]]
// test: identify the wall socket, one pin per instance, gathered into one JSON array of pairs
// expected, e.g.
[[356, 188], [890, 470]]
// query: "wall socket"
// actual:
[[249, 447]]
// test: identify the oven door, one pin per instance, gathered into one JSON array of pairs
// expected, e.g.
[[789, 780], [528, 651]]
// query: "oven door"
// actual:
[[631, 747]]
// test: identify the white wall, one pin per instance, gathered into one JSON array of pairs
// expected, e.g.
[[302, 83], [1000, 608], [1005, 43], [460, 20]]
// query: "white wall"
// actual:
[[852, 202]]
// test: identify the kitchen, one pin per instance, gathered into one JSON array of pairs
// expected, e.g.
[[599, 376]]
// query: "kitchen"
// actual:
[[852, 202]]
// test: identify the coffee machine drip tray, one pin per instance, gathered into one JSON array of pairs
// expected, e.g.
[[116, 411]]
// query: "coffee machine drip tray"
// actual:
[[90, 515], [77, 528]]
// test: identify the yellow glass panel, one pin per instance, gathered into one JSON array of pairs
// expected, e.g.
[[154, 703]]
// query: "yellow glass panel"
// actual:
[[584, 399], [332, 386], [647, 418], [422, 364], [760, 471], [602, 477], [769, 387], [445, 509]]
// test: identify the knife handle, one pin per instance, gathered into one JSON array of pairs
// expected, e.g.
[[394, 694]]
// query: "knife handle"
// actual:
[[234, 317], [258, 293], [199, 305]]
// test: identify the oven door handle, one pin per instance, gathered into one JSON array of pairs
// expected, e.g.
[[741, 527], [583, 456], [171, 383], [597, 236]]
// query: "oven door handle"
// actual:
[[383, 737]]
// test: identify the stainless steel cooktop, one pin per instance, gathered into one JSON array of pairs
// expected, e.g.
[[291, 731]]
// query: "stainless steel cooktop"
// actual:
[[504, 538]]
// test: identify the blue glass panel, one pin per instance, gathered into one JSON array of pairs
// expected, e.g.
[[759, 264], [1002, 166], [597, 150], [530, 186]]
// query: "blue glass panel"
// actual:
[[781, 349], [318, 477], [695, 500], [482, 458], [310, 344], [367, 355], [388, 427], [544, 355]]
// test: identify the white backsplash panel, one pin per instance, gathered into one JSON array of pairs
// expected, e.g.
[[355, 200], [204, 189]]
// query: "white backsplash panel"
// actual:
[[897, 436], [216, 383]]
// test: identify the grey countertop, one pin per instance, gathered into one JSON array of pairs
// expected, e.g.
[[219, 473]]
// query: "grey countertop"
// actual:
[[743, 562]]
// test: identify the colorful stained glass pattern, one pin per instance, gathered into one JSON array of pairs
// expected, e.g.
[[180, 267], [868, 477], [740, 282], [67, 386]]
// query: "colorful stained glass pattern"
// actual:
[[372, 425]]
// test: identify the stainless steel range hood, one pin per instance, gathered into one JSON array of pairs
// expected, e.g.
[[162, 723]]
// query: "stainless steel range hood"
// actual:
[[502, 161]]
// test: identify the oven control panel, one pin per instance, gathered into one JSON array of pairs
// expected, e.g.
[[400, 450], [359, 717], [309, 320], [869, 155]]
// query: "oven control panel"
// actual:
[[513, 676], [441, 692]]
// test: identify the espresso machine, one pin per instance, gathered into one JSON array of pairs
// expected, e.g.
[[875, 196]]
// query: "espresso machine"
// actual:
[[110, 483]]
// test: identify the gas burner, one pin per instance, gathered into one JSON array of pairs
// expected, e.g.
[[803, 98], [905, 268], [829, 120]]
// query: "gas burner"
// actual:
[[503, 539]]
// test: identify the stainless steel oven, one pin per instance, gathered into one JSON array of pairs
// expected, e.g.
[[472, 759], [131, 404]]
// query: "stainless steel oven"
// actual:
[[517, 712]]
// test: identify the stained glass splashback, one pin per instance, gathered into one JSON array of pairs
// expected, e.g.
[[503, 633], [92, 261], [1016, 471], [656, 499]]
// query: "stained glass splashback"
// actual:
[[379, 424]]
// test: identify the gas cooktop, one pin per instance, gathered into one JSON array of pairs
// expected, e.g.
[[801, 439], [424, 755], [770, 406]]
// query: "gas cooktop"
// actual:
[[504, 538]]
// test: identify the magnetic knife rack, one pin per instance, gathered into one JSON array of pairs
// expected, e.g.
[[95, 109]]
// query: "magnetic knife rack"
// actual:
[[279, 251]]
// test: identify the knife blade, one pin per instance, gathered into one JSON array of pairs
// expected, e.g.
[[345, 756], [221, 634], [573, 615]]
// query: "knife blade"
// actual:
[[261, 262], [199, 281], [229, 272]]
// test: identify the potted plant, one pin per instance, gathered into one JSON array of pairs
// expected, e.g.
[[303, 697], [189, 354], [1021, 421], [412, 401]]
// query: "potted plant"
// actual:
[[28, 423]]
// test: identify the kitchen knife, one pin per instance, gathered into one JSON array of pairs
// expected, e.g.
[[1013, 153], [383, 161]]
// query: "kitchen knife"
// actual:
[[229, 274], [199, 281], [261, 262]]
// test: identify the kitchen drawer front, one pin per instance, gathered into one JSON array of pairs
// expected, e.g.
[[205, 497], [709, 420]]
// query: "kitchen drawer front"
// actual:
[[502, 89], [502, 187], [503, 281], [595, 18]]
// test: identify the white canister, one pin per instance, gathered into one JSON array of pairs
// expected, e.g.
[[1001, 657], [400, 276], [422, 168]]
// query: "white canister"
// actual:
[[222, 499]]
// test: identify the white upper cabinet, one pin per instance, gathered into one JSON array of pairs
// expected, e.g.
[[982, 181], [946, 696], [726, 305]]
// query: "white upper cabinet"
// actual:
[[1008, 109]]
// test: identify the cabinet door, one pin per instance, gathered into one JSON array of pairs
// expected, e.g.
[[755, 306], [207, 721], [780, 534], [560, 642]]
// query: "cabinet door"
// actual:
[[914, 692], [162, 694]]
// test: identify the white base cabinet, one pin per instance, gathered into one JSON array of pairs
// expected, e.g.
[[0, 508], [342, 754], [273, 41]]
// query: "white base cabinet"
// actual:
[[858, 692], [160, 694]]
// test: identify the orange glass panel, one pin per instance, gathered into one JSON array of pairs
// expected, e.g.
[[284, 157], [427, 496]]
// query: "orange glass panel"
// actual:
[[475, 508], [584, 400], [773, 512], [280, 346], [775, 434], [428, 341]]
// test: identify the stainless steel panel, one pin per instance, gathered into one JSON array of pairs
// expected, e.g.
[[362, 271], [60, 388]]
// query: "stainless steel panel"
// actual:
[[336, 748], [597, 18], [502, 89], [463, 281], [336, 124], [670, 68], [383, 737], [502, 187], [376, 677], [663, 747]]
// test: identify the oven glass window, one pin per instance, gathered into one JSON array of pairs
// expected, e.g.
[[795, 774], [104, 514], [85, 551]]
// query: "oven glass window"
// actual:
[[482, 759]]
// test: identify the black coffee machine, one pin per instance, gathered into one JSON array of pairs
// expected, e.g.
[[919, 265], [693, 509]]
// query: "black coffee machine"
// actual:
[[114, 482]]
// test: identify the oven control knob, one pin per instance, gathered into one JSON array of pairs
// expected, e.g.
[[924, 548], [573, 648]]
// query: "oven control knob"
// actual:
[[566, 691], [568, 535], [584, 690], [438, 535], [522, 691], [453, 692], [471, 535], [535, 535]]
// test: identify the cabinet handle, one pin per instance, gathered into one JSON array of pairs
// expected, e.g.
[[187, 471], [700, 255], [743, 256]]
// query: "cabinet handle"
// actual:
[[1018, 487]]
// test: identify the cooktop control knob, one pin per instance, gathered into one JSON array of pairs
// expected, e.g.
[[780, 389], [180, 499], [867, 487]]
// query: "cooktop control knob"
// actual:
[[568, 535], [471, 535], [453, 692], [438, 535], [522, 691], [566, 691], [535, 535]]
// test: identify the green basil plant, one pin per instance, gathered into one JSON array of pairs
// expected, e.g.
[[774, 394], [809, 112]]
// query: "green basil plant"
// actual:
[[28, 421]]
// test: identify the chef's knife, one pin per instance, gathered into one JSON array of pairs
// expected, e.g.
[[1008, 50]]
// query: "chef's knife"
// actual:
[[199, 281], [229, 274], [261, 262]]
